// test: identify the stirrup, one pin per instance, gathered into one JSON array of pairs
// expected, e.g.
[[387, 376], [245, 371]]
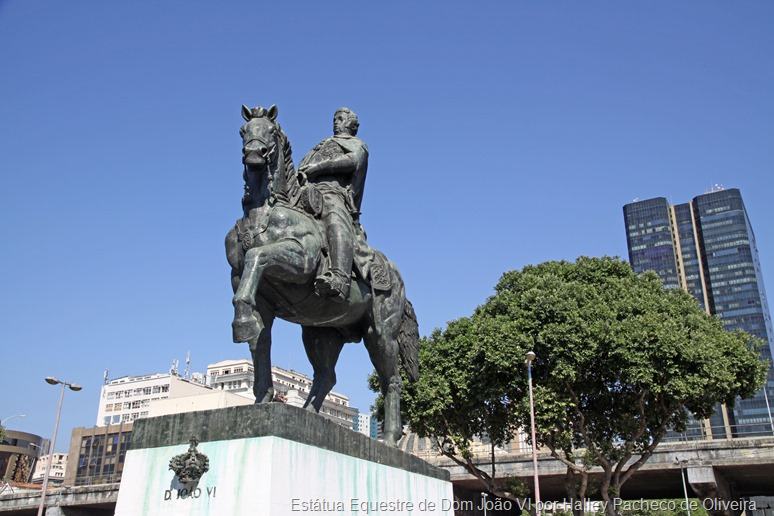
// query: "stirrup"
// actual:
[[332, 285]]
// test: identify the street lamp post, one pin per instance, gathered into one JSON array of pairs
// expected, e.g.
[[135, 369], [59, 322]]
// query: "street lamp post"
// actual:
[[2, 422], [73, 387], [768, 407], [682, 464], [529, 359]]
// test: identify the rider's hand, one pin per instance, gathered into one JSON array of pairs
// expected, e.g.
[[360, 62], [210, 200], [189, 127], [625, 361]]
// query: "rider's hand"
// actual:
[[309, 169]]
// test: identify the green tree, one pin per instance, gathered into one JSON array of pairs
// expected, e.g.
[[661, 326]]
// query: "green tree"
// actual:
[[620, 360]]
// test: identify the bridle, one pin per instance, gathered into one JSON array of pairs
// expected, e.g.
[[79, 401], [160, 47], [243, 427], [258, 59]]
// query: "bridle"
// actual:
[[269, 156], [272, 152]]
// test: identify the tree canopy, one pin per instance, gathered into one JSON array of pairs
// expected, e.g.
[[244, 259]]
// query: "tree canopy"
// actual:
[[620, 361]]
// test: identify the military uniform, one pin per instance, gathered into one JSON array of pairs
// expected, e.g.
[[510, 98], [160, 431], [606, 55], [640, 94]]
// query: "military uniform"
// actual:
[[340, 164]]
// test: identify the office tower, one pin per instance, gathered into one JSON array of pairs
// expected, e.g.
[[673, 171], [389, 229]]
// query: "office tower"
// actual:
[[707, 247]]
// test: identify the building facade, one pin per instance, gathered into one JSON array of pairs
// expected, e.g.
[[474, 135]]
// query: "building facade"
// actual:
[[210, 400], [707, 247], [237, 376], [363, 424], [57, 472], [97, 454], [18, 454], [128, 398]]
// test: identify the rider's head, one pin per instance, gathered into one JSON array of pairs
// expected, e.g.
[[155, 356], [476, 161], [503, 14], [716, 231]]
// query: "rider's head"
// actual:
[[345, 122]]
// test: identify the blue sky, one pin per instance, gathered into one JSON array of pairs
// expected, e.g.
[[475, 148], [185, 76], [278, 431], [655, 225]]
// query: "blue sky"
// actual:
[[500, 134]]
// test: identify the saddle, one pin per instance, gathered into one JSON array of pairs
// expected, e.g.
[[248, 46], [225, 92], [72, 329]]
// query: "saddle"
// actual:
[[369, 264]]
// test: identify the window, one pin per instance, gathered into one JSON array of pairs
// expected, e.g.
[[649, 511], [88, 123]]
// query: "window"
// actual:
[[146, 391], [119, 395], [111, 395], [136, 404], [127, 405], [116, 419], [106, 420], [165, 388], [156, 389], [109, 407]]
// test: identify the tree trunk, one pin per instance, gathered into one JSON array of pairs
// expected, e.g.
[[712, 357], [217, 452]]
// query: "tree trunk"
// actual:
[[571, 490], [575, 487], [582, 491], [605, 493]]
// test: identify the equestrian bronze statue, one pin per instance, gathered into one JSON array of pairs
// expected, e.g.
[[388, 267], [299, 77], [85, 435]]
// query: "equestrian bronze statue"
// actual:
[[299, 253]]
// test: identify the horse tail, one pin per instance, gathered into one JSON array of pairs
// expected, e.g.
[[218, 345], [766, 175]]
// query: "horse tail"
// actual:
[[408, 341]]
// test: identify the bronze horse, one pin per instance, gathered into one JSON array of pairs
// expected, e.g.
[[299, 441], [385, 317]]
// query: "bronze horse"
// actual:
[[275, 251]]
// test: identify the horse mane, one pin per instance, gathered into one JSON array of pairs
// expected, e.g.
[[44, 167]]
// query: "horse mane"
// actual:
[[291, 180], [291, 184]]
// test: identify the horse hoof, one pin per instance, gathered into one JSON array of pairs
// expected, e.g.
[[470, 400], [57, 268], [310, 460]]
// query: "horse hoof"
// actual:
[[245, 329]]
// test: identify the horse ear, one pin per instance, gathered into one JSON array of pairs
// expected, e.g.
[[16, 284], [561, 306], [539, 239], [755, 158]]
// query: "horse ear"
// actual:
[[246, 113], [273, 112]]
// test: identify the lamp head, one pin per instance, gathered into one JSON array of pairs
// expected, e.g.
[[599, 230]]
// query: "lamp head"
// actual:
[[530, 356], [51, 380], [74, 387]]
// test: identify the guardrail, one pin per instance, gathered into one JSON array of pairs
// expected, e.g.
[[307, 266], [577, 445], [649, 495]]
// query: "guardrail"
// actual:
[[92, 480], [699, 432]]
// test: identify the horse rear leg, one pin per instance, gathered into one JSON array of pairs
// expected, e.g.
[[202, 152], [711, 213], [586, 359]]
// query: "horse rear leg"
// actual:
[[323, 346], [383, 350], [283, 259]]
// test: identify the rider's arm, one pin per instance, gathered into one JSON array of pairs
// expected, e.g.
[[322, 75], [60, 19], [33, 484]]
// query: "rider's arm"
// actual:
[[343, 164]]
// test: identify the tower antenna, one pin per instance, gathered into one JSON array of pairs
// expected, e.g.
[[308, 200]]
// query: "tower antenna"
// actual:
[[187, 373]]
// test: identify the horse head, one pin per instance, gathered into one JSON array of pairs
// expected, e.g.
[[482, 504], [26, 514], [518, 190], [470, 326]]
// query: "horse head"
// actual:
[[260, 136], [266, 156]]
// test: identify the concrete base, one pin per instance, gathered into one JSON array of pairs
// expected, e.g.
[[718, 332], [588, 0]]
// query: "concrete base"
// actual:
[[275, 459]]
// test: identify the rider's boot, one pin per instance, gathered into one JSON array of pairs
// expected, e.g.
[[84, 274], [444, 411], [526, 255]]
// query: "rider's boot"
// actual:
[[335, 283], [245, 325]]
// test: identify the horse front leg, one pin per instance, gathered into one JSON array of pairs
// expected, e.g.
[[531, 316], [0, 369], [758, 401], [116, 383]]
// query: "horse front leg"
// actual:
[[281, 259], [260, 349], [323, 346], [246, 327]]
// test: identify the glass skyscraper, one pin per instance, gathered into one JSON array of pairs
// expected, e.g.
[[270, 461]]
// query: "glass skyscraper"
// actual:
[[707, 247]]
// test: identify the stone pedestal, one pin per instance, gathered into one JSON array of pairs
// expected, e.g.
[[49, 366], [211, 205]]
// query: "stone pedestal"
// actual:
[[274, 459]]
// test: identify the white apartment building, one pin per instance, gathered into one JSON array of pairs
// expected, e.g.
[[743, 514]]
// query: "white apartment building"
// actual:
[[210, 400], [58, 467], [237, 376], [129, 398], [363, 425]]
